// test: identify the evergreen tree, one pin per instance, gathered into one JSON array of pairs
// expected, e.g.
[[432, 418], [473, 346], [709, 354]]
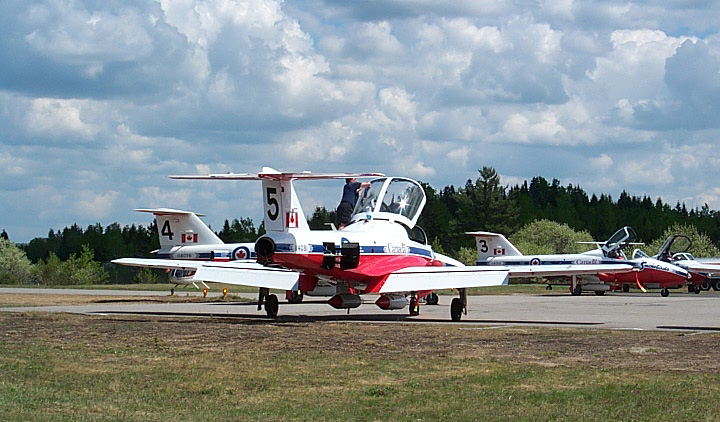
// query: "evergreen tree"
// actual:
[[321, 219]]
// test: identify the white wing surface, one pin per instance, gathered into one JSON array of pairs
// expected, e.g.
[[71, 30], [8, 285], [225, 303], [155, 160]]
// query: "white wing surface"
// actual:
[[556, 270], [234, 272], [415, 279], [699, 266]]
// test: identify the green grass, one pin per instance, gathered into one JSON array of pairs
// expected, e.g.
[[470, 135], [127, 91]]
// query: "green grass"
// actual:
[[167, 372]]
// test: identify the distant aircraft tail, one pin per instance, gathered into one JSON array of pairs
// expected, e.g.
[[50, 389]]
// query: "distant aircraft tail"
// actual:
[[181, 228], [490, 245]]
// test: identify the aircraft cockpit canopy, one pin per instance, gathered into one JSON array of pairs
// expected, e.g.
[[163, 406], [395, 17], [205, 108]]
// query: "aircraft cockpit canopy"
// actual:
[[391, 198], [620, 239]]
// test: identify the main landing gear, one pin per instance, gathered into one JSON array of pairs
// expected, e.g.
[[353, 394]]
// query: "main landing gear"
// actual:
[[458, 306], [270, 302], [414, 305]]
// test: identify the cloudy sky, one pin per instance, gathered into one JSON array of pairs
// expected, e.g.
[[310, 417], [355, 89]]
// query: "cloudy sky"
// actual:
[[101, 99]]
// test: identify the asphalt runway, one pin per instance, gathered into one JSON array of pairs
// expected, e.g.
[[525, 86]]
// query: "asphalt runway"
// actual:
[[625, 311]]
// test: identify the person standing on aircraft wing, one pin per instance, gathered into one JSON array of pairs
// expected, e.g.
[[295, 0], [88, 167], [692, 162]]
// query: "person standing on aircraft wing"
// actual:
[[347, 203]]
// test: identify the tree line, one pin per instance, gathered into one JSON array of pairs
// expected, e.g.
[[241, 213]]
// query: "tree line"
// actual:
[[450, 212]]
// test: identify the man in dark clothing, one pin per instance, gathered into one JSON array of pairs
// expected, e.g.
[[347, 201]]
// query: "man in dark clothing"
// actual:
[[347, 203]]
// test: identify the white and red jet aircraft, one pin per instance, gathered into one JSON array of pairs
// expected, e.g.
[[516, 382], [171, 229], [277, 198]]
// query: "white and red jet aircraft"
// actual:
[[380, 251], [184, 236], [705, 272], [597, 270]]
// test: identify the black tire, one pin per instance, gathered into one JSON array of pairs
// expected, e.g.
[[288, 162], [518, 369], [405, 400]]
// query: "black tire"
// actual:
[[716, 284], [706, 285], [296, 297], [626, 288], [549, 287], [432, 299], [697, 289], [691, 288], [271, 306], [664, 293], [576, 291], [599, 292], [456, 309], [414, 307]]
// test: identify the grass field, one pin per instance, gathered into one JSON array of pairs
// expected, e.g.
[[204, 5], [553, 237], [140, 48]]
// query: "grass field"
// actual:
[[60, 367]]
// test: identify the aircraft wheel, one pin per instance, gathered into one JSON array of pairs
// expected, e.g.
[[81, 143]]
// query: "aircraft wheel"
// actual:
[[697, 289], [626, 288], [414, 307], [296, 297], [271, 306], [664, 292], [172, 292], [549, 287], [716, 285], [576, 291], [691, 288], [432, 299], [456, 309], [705, 285], [599, 292]]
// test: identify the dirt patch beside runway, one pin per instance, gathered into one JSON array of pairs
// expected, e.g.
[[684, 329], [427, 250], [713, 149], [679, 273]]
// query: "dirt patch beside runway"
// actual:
[[22, 299], [556, 347]]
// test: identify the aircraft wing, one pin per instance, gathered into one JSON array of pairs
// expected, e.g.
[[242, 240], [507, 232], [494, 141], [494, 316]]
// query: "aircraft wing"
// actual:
[[707, 267], [233, 272], [414, 279], [555, 270]]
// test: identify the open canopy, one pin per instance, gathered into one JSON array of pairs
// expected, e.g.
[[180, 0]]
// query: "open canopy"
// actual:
[[391, 198]]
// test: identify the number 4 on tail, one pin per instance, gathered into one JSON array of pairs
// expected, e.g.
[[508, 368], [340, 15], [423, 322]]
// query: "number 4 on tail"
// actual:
[[166, 231]]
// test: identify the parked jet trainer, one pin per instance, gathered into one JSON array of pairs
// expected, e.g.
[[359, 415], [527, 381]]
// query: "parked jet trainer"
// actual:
[[184, 236], [379, 252], [613, 269], [704, 272]]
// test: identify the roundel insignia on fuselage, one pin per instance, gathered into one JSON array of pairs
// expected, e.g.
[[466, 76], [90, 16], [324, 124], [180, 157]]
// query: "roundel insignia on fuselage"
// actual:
[[535, 261], [241, 253]]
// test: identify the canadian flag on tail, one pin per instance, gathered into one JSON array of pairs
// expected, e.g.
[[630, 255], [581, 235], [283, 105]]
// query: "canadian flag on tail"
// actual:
[[189, 238], [499, 251], [291, 220]]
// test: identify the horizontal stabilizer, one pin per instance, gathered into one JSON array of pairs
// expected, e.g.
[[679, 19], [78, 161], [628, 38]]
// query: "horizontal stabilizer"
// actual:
[[413, 279], [167, 211], [271, 174]]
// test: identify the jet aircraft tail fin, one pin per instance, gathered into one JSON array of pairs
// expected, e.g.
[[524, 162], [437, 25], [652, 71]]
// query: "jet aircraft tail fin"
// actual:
[[281, 207], [181, 228], [490, 245]]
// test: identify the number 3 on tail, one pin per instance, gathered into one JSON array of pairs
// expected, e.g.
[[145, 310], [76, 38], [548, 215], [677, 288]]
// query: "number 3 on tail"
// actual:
[[482, 245]]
